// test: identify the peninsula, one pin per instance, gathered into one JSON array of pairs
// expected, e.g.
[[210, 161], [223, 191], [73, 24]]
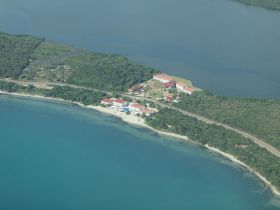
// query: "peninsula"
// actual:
[[244, 130]]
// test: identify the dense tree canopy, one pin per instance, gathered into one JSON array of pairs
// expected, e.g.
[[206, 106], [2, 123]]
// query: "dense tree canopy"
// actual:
[[107, 72], [15, 52], [85, 97], [260, 117]]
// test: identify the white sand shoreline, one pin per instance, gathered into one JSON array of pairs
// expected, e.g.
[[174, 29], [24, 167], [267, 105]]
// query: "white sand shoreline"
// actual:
[[235, 160], [134, 120]]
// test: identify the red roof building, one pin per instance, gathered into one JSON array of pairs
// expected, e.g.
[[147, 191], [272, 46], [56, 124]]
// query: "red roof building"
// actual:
[[119, 102], [170, 84], [169, 98], [106, 101], [136, 107], [148, 112]]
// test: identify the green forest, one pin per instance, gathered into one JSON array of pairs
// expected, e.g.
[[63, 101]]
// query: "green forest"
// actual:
[[42, 60], [86, 97], [260, 117], [228, 141], [106, 72], [13, 87], [15, 53]]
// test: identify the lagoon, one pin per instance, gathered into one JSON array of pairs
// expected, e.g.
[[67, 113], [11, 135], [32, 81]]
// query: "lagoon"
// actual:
[[221, 45]]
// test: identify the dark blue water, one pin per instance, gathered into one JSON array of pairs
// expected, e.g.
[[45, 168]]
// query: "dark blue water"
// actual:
[[58, 156], [220, 45]]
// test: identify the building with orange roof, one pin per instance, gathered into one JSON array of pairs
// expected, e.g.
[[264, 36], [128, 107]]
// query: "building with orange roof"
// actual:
[[135, 107], [181, 86], [148, 112], [107, 101], [119, 102], [188, 90], [184, 88], [163, 78]]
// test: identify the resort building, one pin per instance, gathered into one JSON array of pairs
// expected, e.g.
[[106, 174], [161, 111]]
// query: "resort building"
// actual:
[[163, 78], [181, 86], [184, 88], [123, 106], [188, 90], [168, 85], [148, 112], [135, 107], [107, 101], [119, 102]]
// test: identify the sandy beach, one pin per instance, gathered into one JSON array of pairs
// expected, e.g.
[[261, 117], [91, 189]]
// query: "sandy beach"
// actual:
[[235, 160], [137, 121]]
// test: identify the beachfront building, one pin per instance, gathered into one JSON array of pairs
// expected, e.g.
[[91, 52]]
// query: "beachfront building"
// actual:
[[163, 78], [107, 101], [148, 112], [118, 102], [135, 107]]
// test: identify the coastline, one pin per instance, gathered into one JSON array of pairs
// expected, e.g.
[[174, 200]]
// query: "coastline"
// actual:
[[130, 119], [139, 122], [238, 162]]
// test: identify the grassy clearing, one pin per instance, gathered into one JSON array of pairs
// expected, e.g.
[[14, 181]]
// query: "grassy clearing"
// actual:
[[49, 49]]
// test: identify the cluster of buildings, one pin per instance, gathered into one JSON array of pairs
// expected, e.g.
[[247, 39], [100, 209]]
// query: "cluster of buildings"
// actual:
[[127, 107], [137, 90], [169, 83]]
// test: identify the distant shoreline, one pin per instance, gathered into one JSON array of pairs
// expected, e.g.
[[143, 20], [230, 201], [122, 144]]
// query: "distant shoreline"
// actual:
[[136, 121]]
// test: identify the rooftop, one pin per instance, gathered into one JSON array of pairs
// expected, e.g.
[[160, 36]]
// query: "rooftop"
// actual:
[[163, 76], [119, 100], [181, 84]]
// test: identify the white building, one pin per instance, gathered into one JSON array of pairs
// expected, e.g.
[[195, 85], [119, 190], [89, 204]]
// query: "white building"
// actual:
[[134, 107]]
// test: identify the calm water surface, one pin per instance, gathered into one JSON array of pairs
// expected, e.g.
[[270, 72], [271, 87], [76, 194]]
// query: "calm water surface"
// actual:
[[221, 45], [58, 156]]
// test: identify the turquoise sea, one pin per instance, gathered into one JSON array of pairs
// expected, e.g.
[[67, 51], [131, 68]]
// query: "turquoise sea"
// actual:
[[59, 156]]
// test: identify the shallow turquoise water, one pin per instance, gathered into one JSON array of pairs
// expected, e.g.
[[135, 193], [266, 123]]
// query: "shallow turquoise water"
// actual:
[[59, 156]]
